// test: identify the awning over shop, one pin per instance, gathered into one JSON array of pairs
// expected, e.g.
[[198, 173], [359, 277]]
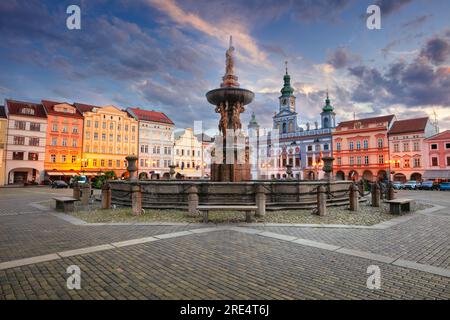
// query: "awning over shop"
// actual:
[[58, 173], [436, 174]]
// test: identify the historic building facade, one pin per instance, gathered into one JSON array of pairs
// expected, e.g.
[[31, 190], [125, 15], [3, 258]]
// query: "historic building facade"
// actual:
[[437, 148], [3, 132], [188, 154], [155, 142], [64, 141], [361, 149], [407, 148], [110, 134], [26, 140], [289, 144]]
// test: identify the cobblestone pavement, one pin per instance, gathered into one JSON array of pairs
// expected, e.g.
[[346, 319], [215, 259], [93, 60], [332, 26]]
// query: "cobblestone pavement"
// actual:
[[223, 264], [424, 238], [219, 265], [32, 232]]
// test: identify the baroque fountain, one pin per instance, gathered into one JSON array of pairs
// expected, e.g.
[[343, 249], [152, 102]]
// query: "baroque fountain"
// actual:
[[230, 171]]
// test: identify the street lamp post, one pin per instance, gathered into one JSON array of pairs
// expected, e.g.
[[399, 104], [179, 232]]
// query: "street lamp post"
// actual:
[[316, 166], [267, 167], [389, 162]]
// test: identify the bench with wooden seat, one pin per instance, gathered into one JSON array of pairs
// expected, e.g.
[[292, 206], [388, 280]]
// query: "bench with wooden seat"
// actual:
[[66, 204], [398, 206], [248, 210]]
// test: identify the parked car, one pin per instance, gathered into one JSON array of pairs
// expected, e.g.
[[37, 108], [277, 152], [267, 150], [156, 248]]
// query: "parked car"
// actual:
[[412, 185], [398, 185], [59, 184], [429, 185], [444, 186], [79, 179]]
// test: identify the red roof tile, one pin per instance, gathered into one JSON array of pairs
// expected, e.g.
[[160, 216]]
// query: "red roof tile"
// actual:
[[440, 136], [351, 124], [49, 107], [15, 108], [409, 125], [150, 115], [84, 107]]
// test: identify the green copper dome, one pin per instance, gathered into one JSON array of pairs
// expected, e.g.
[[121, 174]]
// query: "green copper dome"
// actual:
[[287, 89], [253, 123], [327, 107]]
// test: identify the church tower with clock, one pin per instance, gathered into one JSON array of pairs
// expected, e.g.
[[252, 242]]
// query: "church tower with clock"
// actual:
[[286, 118]]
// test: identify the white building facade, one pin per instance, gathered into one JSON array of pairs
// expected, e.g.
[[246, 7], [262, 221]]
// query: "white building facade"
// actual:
[[189, 155], [26, 139], [155, 143]]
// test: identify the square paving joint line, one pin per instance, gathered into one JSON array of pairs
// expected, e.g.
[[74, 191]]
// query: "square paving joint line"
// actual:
[[27, 261], [316, 244], [277, 236], [422, 267], [366, 255], [245, 230], [133, 242], [173, 235], [76, 252]]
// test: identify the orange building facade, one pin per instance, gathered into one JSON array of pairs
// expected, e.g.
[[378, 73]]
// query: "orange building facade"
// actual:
[[361, 149], [64, 140]]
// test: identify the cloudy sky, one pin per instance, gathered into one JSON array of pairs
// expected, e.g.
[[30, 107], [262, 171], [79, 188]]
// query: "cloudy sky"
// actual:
[[166, 54]]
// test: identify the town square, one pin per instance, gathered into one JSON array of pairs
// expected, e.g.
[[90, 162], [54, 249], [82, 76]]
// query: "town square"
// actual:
[[151, 152]]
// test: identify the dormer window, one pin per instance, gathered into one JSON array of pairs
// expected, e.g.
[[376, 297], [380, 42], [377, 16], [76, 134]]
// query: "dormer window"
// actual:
[[27, 110]]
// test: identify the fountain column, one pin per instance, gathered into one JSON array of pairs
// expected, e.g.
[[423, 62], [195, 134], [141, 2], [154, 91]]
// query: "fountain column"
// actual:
[[230, 100]]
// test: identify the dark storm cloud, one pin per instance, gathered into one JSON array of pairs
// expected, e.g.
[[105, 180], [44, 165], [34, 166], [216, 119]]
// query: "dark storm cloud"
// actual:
[[105, 46], [390, 6], [413, 84], [341, 58], [437, 50], [312, 10], [417, 22]]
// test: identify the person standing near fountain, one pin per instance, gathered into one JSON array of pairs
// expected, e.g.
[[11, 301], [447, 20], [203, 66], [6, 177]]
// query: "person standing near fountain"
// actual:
[[230, 100]]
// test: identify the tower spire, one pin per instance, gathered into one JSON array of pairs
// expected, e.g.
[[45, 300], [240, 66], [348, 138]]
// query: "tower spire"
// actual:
[[286, 63], [231, 41]]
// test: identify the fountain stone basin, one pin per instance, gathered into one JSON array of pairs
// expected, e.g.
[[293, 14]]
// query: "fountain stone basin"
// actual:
[[173, 194], [230, 94]]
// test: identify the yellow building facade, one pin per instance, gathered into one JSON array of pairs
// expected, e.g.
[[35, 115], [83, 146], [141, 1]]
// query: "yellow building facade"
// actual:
[[109, 135]]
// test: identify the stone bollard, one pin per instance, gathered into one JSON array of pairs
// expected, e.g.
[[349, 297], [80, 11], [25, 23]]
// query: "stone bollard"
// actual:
[[361, 187], [354, 203], [85, 193], [106, 196], [260, 201], [321, 201], [390, 192], [375, 190], [136, 200], [193, 200], [76, 191]]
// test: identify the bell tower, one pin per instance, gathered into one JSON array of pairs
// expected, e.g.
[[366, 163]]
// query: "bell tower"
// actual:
[[287, 98]]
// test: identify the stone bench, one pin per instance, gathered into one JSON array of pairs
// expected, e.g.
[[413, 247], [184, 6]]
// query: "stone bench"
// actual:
[[398, 206], [248, 210], [66, 204]]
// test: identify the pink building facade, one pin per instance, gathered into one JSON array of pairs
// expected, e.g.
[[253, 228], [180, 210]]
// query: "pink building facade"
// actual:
[[407, 149], [438, 161], [361, 149]]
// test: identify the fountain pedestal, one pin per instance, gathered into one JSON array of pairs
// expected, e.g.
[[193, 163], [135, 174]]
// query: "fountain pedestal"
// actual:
[[231, 163]]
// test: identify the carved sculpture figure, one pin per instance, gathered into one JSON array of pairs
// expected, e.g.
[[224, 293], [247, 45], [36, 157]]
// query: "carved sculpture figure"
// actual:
[[223, 123]]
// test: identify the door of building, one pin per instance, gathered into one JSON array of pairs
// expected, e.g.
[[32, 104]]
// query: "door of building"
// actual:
[[20, 177]]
